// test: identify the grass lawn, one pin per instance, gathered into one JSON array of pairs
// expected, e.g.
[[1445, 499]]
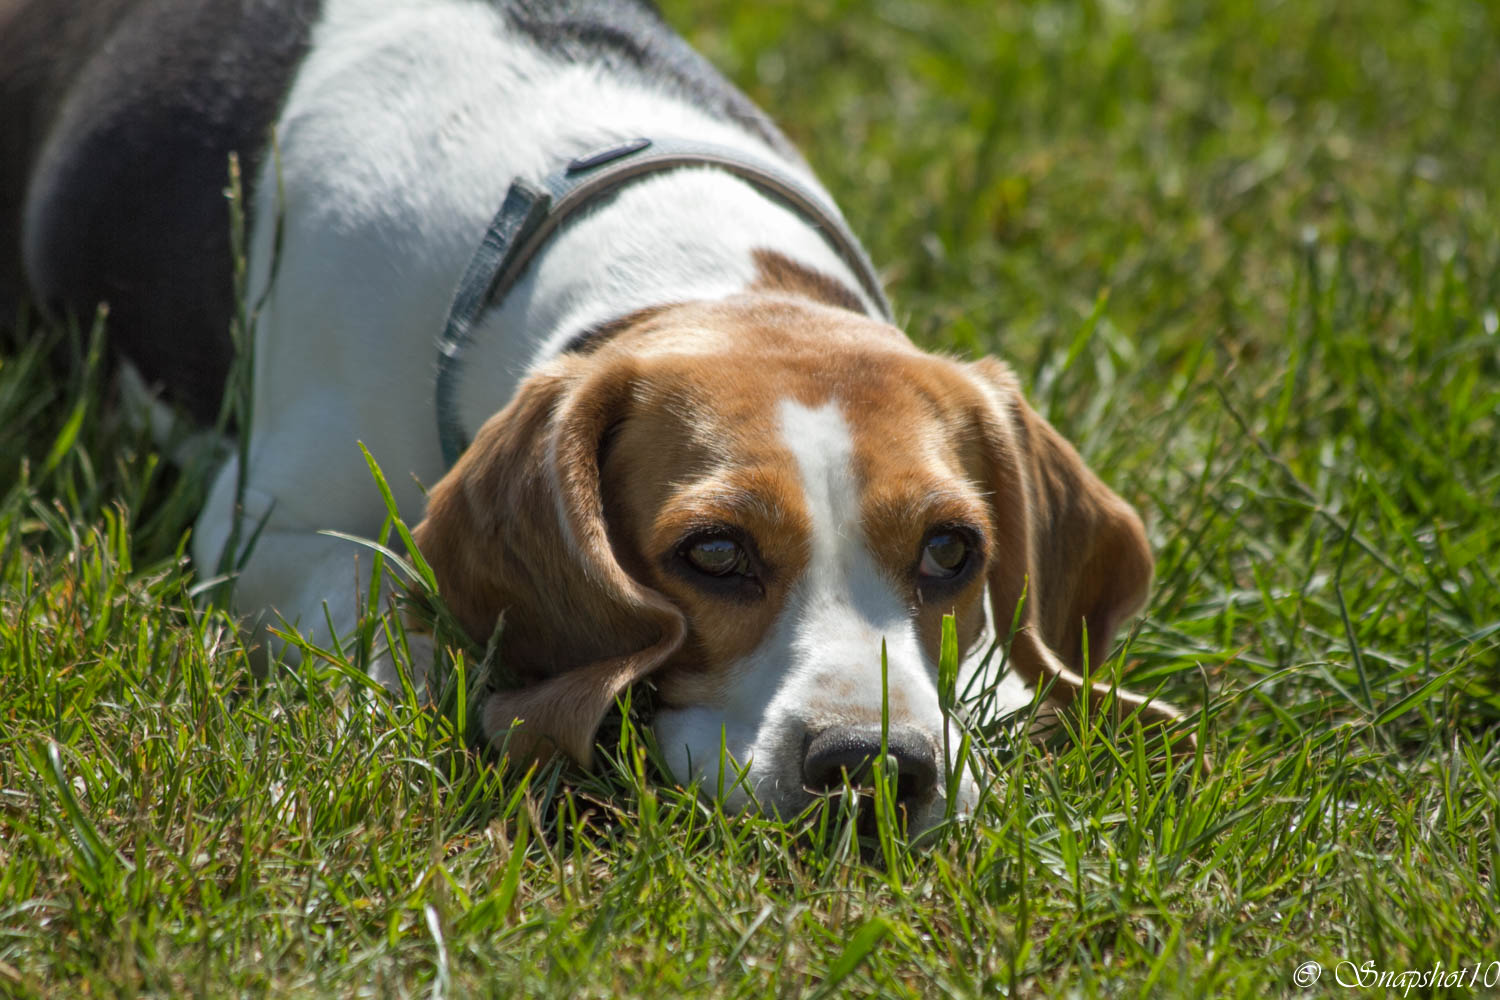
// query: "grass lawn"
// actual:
[[1245, 254]]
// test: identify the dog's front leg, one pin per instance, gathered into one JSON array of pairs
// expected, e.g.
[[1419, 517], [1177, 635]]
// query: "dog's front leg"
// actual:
[[288, 574]]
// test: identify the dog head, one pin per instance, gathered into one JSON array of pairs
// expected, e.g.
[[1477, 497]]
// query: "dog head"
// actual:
[[743, 501]]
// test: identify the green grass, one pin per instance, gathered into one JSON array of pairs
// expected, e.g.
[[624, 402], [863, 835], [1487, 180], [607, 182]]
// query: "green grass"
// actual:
[[1246, 254]]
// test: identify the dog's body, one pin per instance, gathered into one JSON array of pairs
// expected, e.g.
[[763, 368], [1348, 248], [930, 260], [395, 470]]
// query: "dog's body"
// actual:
[[699, 453]]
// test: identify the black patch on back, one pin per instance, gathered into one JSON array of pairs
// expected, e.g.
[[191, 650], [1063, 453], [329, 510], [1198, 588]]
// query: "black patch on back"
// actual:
[[137, 105]]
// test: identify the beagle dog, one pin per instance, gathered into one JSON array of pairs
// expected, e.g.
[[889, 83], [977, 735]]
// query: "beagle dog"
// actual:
[[539, 255]]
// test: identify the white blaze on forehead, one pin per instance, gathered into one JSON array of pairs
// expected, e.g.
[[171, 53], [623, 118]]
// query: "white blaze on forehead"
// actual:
[[823, 448], [845, 604]]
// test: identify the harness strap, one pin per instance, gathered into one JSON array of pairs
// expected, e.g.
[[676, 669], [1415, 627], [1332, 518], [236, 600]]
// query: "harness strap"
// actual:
[[529, 215]]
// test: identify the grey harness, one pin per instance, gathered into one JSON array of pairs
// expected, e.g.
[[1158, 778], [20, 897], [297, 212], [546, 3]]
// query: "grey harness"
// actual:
[[530, 215]]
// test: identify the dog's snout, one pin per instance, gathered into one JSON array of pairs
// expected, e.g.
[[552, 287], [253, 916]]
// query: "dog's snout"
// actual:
[[852, 750]]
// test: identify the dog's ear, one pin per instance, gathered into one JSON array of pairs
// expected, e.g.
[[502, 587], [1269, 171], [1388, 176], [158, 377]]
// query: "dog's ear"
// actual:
[[1078, 550], [517, 527]]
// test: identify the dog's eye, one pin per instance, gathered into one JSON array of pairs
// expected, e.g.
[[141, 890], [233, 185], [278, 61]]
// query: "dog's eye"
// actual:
[[717, 556], [944, 555]]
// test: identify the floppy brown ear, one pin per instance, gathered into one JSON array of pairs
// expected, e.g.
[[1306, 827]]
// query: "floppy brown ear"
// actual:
[[1079, 551], [517, 527]]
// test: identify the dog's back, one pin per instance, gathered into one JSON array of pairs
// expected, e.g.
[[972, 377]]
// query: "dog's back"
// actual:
[[118, 118]]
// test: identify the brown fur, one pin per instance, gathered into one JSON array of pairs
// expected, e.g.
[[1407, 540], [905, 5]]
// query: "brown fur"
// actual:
[[568, 510], [777, 272], [518, 527], [1080, 552]]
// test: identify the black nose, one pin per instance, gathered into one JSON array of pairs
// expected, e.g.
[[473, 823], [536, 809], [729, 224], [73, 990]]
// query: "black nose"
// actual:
[[852, 750]]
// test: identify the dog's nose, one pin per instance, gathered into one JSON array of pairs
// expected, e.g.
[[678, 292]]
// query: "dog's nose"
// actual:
[[852, 750]]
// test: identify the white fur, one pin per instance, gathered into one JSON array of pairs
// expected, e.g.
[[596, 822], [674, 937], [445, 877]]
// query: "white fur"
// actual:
[[820, 663], [401, 132]]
